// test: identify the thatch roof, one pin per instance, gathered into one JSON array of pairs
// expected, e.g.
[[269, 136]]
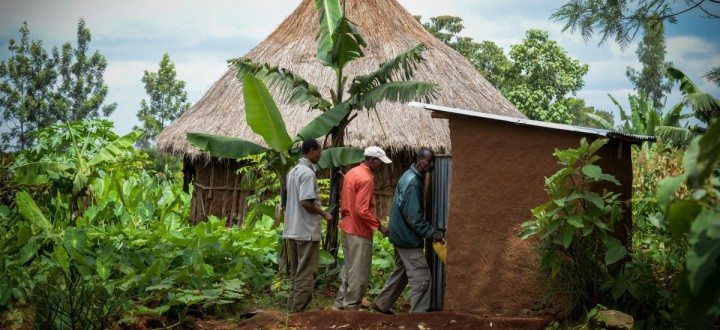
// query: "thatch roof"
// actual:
[[389, 30]]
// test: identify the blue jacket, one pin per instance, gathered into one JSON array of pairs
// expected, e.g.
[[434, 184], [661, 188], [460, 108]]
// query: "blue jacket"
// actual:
[[408, 227]]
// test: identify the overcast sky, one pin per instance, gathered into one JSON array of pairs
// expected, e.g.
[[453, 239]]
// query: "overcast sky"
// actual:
[[201, 35]]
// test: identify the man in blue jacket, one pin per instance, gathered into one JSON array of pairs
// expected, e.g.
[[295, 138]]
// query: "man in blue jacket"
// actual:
[[408, 231]]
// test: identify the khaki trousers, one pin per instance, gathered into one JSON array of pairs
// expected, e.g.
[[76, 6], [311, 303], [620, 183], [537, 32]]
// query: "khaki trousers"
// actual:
[[355, 274], [303, 256], [410, 267]]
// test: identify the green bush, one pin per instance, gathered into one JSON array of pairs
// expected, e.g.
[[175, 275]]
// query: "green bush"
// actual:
[[106, 239], [575, 228]]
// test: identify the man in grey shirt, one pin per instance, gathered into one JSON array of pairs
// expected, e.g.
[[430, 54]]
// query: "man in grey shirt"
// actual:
[[302, 228]]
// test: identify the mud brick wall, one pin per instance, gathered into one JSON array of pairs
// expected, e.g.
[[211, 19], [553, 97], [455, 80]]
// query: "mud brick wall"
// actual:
[[498, 177]]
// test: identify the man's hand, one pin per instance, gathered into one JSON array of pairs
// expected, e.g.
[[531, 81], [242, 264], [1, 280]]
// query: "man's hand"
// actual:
[[327, 216], [437, 236]]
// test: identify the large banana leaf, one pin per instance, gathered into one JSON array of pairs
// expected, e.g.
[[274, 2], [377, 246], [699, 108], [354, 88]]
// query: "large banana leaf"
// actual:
[[677, 136], [330, 14], [652, 120], [705, 105], [703, 156], [322, 124], [263, 116], [224, 146], [394, 91], [341, 156], [30, 211], [347, 44], [402, 66], [116, 149], [602, 122], [38, 172], [674, 116], [623, 114], [294, 89]]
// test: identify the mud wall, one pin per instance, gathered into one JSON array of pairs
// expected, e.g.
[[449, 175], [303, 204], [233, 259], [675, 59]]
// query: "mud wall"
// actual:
[[498, 173]]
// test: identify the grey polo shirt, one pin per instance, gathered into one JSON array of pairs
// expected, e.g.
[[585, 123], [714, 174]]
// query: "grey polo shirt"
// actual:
[[301, 185]]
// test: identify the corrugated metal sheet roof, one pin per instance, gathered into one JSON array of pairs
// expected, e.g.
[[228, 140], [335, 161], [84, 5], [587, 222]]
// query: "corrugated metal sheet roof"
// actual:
[[632, 138]]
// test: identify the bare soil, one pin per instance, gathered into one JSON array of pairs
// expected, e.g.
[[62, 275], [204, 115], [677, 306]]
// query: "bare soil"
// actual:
[[328, 319]]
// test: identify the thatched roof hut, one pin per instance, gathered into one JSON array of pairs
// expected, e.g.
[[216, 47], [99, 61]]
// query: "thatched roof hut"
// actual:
[[389, 30]]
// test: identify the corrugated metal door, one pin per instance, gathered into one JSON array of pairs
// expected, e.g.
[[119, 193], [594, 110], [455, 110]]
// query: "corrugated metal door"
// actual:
[[440, 203]]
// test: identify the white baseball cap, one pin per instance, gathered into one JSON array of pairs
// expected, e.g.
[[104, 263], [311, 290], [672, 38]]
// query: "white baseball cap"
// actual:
[[377, 152]]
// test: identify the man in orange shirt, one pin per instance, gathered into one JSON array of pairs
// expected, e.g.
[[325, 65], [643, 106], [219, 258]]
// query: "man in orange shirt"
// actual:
[[357, 209]]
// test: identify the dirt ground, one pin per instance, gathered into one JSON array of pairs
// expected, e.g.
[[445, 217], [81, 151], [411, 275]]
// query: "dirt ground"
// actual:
[[328, 319]]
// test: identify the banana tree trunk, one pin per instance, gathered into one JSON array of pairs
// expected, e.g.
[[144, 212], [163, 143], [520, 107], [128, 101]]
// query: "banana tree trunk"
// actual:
[[331, 239]]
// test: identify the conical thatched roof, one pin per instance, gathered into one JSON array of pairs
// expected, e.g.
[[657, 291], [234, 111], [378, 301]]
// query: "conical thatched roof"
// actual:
[[389, 30]]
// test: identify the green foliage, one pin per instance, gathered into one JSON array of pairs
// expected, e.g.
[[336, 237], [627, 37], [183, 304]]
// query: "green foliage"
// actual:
[[264, 185], [330, 15], [293, 89], [168, 100], [541, 74], [714, 75], [486, 56], [696, 217], [263, 116], [651, 80], [339, 43], [536, 76], [576, 228], [383, 263], [224, 146], [706, 106], [644, 118], [127, 248], [82, 90], [588, 116], [26, 83], [38, 90], [620, 19]]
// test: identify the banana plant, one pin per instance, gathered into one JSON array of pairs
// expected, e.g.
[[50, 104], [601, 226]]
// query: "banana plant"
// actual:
[[90, 154], [340, 43], [706, 106], [264, 118], [643, 118]]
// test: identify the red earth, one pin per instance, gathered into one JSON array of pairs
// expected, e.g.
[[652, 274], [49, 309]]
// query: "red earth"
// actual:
[[329, 319]]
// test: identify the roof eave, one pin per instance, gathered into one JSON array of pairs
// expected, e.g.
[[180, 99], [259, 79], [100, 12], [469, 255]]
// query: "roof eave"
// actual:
[[631, 138]]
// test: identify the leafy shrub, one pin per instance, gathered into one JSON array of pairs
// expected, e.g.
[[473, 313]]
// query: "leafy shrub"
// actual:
[[695, 218], [104, 227], [575, 228]]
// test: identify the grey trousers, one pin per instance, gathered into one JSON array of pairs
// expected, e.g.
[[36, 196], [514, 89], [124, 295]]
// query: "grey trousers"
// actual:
[[303, 257], [355, 274], [410, 267]]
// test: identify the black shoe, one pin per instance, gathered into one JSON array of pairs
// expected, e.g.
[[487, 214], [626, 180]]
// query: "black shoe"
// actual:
[[377, 309]]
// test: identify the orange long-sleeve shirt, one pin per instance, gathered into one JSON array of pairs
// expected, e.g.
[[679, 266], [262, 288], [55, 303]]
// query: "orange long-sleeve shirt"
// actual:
[[357, 202]]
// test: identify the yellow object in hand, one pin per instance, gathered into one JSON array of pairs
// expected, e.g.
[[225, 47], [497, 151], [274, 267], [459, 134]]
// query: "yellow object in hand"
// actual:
[[441, 251]]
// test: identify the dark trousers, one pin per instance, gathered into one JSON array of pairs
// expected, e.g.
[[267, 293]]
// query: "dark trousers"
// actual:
[[303, 256]]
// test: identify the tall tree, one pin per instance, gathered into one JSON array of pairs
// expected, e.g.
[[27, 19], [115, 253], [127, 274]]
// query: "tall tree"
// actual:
[[540, 76], [168, 99], [491, 61], [536, 78], [651, 79], [714, 75], [82, 88], [27, 78], [622, 19], [486, 56]]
